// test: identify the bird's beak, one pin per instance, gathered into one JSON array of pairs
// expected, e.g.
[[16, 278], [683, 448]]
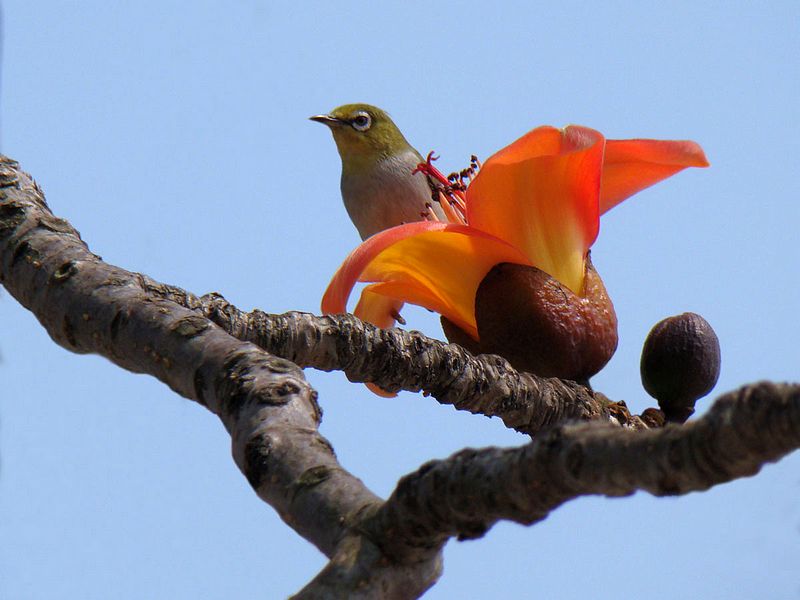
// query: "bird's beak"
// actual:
[[327, 120]]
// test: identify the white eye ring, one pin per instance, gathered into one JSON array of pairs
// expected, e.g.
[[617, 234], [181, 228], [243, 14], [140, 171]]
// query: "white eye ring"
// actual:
[[361, 122]]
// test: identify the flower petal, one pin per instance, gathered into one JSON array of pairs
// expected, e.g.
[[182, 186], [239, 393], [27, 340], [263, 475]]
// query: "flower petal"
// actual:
[[438, 268], [633, 165], [381, 311], [376, 308], [335, 299], [379, 391], [541, 194]]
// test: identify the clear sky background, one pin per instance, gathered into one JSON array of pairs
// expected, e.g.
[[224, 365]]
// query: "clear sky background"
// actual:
[[174, 136]]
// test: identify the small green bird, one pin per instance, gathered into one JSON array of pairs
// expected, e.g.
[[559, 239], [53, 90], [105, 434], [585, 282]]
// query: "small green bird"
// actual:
[[378, 185]]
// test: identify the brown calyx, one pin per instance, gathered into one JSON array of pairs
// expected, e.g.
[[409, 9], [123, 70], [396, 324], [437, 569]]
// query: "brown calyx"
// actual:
[[541, 326]]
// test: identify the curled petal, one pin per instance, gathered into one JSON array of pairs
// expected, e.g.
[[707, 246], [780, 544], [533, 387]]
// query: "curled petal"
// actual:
[[440, 270], [632, 165], [335, 299], [379, 391], [438, 267], [541, 194], [376, 308], [381, 311]]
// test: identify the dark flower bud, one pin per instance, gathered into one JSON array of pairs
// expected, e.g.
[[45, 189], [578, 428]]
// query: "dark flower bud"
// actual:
[[680, 364]]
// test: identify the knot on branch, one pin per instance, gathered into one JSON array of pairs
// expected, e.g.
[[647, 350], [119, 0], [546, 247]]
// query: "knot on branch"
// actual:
[[240, 383]]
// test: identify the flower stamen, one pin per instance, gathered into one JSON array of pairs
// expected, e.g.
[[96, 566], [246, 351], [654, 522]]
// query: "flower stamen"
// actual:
[[429, 215], [450, 191], [451, 210], [397, 317]]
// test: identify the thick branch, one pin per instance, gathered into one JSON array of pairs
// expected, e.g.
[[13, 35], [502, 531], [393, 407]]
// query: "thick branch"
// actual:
[[397, 359], [271, 412], [88, 306], [265, 403], [467, 493]]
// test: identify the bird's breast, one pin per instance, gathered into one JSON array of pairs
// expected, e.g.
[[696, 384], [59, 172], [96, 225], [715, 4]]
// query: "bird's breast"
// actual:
[[386, 195]]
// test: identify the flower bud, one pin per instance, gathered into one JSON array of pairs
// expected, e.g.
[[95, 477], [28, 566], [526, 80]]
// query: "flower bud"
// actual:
[[680, 364]]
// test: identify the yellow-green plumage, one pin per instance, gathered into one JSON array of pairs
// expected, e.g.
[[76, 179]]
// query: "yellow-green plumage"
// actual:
[[378, 187]]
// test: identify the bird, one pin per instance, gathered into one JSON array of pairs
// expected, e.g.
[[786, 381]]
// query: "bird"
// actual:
[[379, 185]]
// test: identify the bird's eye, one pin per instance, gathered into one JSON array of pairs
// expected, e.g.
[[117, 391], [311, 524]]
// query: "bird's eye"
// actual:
[[361, 122]]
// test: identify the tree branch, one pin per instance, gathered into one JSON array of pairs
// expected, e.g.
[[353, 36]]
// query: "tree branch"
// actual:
[[270, 411], [397, 359], [467, 493], [388, 549]]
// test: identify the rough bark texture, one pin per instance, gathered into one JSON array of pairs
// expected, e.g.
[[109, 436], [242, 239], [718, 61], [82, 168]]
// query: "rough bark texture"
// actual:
[[201, 348], [464, 495], [270, 411], [397, 360]]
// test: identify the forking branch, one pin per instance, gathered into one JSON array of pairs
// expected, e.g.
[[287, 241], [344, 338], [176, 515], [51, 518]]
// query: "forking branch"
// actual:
[[201, 348]]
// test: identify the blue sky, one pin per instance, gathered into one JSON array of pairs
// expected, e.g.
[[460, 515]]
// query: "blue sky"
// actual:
[[174, 136]]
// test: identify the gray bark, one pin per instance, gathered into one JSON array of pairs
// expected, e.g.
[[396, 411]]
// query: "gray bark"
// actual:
[[245, 368]]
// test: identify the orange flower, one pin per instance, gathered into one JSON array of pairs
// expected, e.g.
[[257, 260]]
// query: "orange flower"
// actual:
[[536, 202]]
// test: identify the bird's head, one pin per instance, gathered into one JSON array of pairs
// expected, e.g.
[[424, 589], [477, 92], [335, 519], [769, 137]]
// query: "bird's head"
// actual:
[[363, 133]]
